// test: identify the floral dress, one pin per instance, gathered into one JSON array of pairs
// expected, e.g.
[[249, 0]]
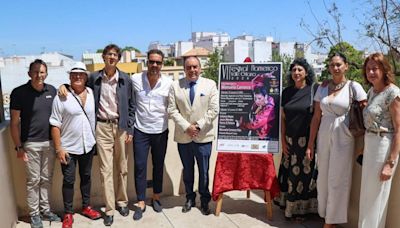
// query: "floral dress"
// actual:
[[297, 177]]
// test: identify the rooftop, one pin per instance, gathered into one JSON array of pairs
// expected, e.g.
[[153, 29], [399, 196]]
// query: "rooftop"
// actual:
[[198, 51]]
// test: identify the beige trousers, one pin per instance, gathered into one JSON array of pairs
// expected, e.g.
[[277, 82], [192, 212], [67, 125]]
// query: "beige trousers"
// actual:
[[39, 173], [111, 150]]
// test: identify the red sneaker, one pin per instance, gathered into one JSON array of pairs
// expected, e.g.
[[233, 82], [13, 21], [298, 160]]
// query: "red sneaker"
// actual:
[[91, 213], [67, 221]]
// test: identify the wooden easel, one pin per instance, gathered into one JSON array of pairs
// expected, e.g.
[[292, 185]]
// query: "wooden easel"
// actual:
[[267, 200]]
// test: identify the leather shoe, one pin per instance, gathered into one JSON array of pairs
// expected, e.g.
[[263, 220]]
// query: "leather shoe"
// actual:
[[108, 220], [156, 204], [139, 213], [188, 206], [124, 211], [205, 209], [91, 213]]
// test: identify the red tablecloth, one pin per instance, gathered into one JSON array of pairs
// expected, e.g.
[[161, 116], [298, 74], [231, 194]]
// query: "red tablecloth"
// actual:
[[244, 171]]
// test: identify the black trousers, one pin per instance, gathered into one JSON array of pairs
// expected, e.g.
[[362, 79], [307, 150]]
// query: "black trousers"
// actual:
[[85, 167]]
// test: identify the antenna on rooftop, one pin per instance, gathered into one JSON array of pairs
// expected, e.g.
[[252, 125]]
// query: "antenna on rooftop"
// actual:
[[14, 49], [191, 25]]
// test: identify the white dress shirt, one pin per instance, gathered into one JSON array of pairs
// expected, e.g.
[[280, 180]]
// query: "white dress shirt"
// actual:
[[151, 104], [77, 131]]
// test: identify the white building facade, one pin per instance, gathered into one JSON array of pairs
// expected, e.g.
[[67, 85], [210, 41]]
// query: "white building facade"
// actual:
[[14, 72], [259, 50], [210, 40]]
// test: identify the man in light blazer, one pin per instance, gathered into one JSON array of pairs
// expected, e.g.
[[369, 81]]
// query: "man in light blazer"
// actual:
[[193, 106]]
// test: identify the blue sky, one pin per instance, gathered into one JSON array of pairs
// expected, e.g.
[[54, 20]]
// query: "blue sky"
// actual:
[[72, 27]]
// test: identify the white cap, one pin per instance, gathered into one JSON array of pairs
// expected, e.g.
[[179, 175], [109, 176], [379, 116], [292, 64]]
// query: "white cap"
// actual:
[[79, 67]]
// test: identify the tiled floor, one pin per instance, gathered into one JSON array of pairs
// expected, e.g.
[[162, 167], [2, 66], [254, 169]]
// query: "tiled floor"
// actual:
[[237, 211]]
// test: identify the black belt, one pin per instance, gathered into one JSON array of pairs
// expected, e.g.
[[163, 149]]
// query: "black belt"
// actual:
[[114, 121], [380, 133]]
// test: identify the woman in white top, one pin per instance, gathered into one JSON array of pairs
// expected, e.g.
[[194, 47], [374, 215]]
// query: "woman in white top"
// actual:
[[335, 143], [382, 141]]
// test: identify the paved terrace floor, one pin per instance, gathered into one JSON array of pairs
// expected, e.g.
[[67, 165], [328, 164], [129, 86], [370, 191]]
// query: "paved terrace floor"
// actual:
[[237, 211]]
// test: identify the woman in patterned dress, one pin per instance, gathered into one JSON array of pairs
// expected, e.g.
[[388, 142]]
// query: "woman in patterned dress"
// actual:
[[382, 141], [296, 179]]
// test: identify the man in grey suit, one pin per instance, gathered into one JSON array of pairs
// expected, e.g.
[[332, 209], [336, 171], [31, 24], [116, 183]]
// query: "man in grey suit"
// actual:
[[193, 106]]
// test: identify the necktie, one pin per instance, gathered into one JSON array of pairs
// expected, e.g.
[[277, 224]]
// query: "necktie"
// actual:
[[191, 92]]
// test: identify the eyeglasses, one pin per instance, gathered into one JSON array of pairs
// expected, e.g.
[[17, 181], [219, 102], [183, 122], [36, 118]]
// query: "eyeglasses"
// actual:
[[110, 54], [151, 62]]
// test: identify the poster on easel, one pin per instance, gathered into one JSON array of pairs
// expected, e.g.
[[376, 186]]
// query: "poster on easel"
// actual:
[[249, 99]]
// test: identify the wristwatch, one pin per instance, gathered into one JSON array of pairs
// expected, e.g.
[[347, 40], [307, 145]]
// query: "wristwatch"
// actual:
[[18, 148], [391, 163]]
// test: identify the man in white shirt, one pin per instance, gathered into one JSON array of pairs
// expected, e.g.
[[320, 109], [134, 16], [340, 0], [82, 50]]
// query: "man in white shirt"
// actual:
[[73, 126], [150, 90]]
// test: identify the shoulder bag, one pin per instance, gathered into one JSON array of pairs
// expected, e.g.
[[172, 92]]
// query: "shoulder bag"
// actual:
[[356, 121]]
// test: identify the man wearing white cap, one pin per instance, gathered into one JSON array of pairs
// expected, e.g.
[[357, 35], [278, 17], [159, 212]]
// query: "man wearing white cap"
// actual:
[[115, 116], [73, 131]]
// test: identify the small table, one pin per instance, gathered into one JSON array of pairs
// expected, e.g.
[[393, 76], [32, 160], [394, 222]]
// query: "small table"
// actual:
[[245, 171]]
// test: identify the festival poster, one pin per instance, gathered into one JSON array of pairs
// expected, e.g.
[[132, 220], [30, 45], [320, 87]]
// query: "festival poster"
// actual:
[[249, 118]]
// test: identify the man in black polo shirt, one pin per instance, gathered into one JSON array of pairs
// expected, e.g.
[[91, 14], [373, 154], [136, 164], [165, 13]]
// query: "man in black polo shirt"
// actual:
[[31, 107]]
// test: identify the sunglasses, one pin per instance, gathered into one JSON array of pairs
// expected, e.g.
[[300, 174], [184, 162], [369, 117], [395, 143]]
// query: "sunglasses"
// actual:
[[151, 62]]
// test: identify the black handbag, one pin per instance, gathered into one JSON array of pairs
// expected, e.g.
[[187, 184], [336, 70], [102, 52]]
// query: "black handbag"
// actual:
[[356, 120]]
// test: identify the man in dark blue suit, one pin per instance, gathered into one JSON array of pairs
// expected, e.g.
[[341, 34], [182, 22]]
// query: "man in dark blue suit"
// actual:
[[193, 106]]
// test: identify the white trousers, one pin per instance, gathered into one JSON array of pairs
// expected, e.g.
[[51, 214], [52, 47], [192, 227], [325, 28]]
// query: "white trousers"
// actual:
[[335, 148], [374, 193]]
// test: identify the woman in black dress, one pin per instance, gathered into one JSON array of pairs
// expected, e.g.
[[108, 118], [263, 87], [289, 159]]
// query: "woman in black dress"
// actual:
[[296, 173]]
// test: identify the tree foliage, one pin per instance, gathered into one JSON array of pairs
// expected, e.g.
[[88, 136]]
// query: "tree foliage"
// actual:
[[354, 58], [169, 62], [126, 48], [130, 48], [382, 24], [286, 61], [380, 20], [329, 31], [211, 68]]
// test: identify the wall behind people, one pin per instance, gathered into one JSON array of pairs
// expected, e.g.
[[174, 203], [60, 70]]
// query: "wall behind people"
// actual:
[[12, 180], [173, 184], [8, 212]]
